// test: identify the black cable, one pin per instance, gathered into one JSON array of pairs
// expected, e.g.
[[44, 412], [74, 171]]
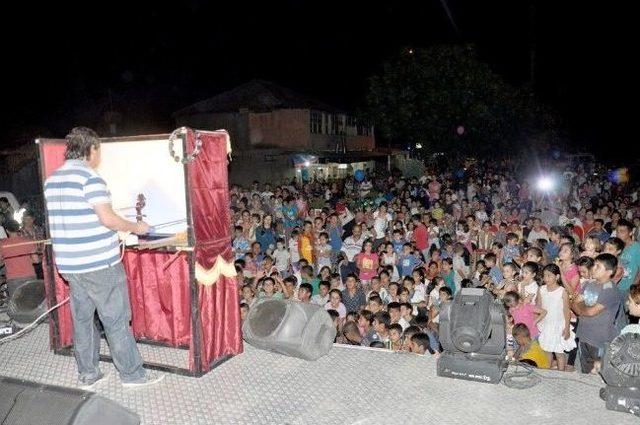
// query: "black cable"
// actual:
[[530, 378]]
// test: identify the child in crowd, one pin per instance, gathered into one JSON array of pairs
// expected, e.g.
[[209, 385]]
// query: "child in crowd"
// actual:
[[323, 251], [365, 326], [395, 336], [529, 350], [528, 288], [447, 274], [294, 250], [398, 242], [521, 312], [434, 295], [381, 323], [585, 265], [556, 336], [592, 247], [510, 252], [322, 297], [407, 261], [335, 303], [420, 343], [240, 243], [282, 257], [367, 263]]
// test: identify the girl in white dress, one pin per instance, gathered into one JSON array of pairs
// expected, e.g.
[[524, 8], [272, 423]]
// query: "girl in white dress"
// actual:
[[556, 335]]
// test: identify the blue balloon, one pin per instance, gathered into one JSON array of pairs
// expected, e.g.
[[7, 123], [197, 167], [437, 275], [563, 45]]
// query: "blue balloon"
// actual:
[[359, 175]]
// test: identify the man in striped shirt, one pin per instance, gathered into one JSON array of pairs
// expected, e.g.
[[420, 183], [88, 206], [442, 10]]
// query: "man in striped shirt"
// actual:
[[83, 229]]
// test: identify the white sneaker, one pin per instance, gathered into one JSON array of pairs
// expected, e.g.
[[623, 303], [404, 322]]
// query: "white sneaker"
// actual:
[[144, 382]]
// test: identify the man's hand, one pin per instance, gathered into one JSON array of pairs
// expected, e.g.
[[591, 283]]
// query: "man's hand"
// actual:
[[142, 228]]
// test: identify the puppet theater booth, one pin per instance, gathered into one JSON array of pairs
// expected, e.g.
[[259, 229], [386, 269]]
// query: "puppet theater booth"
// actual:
[[181, 277]]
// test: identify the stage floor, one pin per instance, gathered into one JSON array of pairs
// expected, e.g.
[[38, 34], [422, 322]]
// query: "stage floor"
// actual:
[[348, 386]]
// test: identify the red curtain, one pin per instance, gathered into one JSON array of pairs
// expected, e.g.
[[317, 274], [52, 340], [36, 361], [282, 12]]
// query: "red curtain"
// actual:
[[159, 295], [210, 206], [52, 157]]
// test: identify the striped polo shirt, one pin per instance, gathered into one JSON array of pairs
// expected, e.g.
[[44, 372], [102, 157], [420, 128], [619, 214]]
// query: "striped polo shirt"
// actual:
[[80, 242]]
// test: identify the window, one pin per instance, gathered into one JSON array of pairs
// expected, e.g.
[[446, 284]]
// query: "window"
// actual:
[[336, 124], [364, 129], [316, 122]]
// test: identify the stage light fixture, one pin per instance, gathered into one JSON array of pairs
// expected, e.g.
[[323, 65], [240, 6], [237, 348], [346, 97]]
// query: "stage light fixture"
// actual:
[[473, 337], [621, 372]]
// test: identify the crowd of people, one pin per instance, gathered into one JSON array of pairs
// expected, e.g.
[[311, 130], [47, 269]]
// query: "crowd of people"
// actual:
[[382, 255]]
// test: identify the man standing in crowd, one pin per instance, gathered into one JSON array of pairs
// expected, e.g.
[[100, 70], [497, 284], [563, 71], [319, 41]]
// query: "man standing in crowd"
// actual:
[[85, 243], [630, 256]]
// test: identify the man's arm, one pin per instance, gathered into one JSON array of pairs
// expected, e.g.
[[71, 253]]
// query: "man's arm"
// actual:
[[581, 309], [113, 221]]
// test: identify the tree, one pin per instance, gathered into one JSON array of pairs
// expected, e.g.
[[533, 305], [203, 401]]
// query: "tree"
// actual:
[[428, 96]]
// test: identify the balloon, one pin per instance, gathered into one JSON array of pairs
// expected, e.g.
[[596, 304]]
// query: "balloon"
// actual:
[[359, 175], [460, 130]]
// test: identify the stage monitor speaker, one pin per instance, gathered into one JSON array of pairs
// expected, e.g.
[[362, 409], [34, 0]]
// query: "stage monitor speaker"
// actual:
[[291, 328], [27, 301], [29, 403]]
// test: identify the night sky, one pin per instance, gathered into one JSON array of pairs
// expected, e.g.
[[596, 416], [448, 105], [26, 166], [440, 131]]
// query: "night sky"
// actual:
[[65, 65]]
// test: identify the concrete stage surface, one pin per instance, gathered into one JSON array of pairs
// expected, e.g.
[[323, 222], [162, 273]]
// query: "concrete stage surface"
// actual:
[[348, 386]]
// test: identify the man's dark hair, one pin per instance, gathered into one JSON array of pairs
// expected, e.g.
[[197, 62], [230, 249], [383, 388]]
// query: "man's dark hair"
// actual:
[[521, 329], [421, 339], [412, 330], [368, 316], [376, 298], [616, 242], [291, 279], [377, 344], [585, 262], [531, 266], [382, 317], [79, 143], [393, 306], [490, 256], [395, 326], [446, 290], [11, 226], [323, 283], [609, 261], [333, 314], [536, 251], [625, 223], [307, 287]]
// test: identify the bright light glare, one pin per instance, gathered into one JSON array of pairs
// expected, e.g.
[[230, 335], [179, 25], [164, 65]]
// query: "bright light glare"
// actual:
[[307, 163], [18, 215], [418, 145], [545, 183]]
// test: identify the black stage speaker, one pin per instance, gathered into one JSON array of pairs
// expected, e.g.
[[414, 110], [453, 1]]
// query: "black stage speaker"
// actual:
[[29, 403], [291, 328], [27, 301]]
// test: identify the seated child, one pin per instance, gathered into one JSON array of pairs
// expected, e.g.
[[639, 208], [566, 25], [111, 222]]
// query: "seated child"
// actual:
[[395, 336], [529, 350], [420, 343]]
